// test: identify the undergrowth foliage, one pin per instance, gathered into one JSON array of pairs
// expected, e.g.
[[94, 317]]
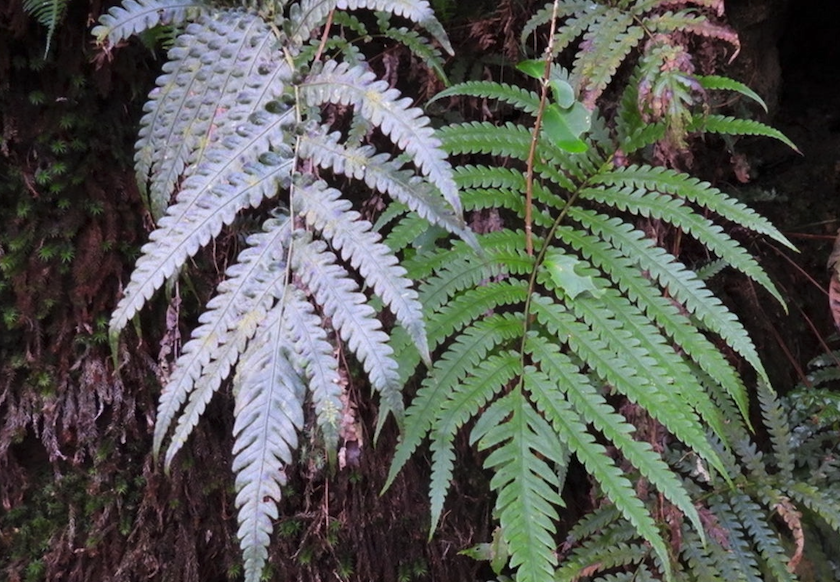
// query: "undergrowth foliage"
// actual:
[[238, 120], [579, 331], [573, 329]]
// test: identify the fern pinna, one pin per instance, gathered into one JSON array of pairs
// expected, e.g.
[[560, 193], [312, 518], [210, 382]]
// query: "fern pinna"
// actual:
[[237, 119], [572, 311]]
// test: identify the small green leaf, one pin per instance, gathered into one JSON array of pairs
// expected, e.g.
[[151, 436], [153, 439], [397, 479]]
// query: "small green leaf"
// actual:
[[564, 94], [563, 128], [496, 552], [561, 268], [532, 68]]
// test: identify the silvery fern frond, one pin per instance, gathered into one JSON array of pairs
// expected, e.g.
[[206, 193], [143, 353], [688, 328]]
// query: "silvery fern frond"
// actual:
[[235, 123]]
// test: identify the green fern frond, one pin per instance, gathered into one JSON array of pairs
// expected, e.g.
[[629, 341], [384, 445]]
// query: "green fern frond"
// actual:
[[598, 556], [513, 141], [780, 434], [674, 211], [268, 397], [475, 137], [681, 283], [462, 404], [699, 558], [136, 16], [738, 552], [470, 348], [522, 99], [755, 521], [720, 83], [594, 409], [527, 485], [733, 126], [694, 190], [420, 47], [669, 22], [616, 358], [572, 431], [48, 13], [608, 41], [662, 310], [823, 503]]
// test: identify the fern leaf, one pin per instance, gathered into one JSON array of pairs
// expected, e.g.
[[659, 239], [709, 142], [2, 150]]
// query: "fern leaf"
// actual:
[[600, 557], [230, 320], [325, 210], [594, 409], [578, 14], [407, 126], [188, 226], [823, 503], [466, 307], [604, 517], [419, 47], [269, 412], [318, 359], [674, 211], [739, 550], [681, 283], [351, 316], [209, 199], [698, 557], [527, 486], [777, 425], [418, 11], [576, 25], [733, 126], [661, 310], [694, 190], [136, 16], [463, 272], [666, 368], [594, 456], [717, 82], [383, 174], [463, 403], [237, 43], [616, 359], [766, 540], [305, 17], [512, 141], [509, 140], [467, 352], [48, 13], [608, 42], [522, 99]]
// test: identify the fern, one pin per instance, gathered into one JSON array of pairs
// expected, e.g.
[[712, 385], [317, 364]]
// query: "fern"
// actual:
[[540, 357], [610, 31], [48, 13], [755, 531], [236, 123]]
